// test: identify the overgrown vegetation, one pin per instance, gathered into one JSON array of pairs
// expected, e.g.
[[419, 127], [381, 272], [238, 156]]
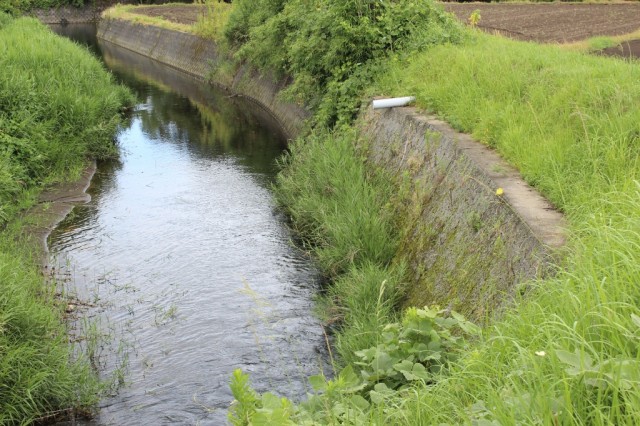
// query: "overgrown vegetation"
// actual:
[[58, 108], [331, 47]]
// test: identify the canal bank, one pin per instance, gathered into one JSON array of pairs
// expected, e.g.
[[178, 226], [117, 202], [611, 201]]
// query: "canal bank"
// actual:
[[470, 246]]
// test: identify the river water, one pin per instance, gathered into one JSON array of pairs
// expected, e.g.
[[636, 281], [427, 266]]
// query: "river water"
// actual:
[[181, 261]]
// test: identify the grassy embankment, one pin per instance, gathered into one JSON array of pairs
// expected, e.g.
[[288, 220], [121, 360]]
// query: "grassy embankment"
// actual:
[[568, 354], [58, 108]]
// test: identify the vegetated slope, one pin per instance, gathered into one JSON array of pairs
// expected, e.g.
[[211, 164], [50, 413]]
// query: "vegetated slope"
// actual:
[[58, 108], [19, 6], [568, 353]]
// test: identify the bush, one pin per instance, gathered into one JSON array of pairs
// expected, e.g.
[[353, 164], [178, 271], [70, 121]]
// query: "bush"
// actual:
[[328, 48]]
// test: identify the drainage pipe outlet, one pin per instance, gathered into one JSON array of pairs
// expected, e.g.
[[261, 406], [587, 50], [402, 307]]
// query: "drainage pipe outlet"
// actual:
[[393, 102]]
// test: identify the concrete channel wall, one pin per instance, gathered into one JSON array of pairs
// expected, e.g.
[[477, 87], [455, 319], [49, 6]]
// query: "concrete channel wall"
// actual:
[[201, 58], [474, 232], [469, 248]]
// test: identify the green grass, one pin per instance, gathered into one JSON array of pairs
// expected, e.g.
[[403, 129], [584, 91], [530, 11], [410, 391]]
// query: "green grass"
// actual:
[[58, 109], [212, 22], [570, 123], [335, 203]]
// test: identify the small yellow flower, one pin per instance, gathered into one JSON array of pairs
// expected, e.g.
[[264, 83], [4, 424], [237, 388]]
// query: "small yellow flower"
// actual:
[[541, 353], [499, 191]]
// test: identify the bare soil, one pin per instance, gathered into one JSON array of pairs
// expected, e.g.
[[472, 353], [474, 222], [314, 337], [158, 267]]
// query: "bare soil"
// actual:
[[552, 22], [628, 49]]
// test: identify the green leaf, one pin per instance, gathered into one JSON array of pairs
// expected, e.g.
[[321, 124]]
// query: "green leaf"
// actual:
[[412, 371], [318, 383], [577, 361], [359, 402]]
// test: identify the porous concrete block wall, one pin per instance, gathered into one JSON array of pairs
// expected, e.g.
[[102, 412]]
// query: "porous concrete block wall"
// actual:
[[469, 248], [201, 58], [68, 15]]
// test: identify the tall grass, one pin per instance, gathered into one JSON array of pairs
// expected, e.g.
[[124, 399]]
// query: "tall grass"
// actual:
[[213, 20], [569, 353], [58, 108], [336, 204], [340, 210]]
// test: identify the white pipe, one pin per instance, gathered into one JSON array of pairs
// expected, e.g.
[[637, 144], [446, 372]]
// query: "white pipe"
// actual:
[[392, 102]]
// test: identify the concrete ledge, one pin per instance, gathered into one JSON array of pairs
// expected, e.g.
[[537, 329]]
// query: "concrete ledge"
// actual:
[[469, 248], [201, 58]]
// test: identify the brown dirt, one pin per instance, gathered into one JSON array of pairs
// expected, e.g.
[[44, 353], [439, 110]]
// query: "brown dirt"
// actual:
[[628, 49], [552, 22]]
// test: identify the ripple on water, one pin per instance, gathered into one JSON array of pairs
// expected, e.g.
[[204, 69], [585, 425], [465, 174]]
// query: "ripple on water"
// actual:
[[191, 268]]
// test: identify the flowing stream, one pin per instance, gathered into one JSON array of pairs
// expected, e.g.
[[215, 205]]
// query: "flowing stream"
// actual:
[[181, 261]]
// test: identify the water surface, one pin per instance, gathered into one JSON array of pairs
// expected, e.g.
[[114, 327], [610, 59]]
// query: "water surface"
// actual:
[[183, 261]]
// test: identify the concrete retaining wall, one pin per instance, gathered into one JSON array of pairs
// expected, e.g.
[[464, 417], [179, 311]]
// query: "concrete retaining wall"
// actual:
[[200, 58], [469, 248]]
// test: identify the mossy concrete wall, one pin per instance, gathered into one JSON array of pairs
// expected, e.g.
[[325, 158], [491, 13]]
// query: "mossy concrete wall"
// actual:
[[201, 58], [468, 247]]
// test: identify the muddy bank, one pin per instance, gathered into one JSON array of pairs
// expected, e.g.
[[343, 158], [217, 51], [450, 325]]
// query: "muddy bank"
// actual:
[[54, 204], [468, 247]]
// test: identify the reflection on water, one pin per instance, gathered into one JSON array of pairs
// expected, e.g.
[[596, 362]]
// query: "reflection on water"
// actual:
[[182, 259]]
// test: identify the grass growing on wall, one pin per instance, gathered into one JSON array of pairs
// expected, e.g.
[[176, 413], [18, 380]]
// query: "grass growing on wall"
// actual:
[[58, 108]]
